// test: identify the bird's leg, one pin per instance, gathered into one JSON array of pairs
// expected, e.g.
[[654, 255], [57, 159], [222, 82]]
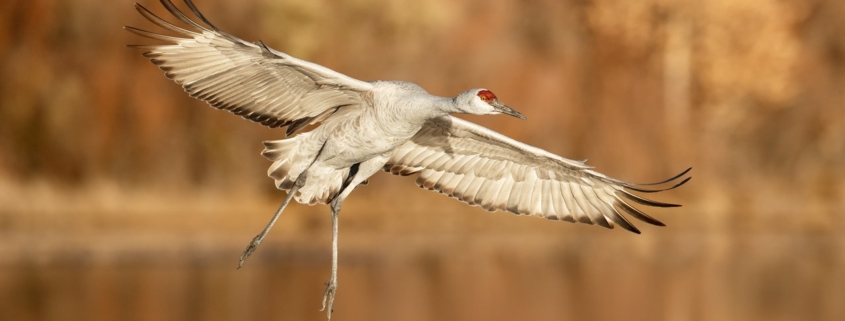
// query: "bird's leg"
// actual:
[[300, 181], [364, 170], [331, 284]]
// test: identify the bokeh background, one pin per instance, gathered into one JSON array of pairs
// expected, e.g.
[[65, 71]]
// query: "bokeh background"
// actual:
[[123, 199]]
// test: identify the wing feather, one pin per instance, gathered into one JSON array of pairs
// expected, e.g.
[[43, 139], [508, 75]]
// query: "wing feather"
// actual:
[[504, 194], [442, 181], [484, 192], [452, 184], [481, 167], [524, 198], [547, 203], [589, 212], [463, 185], [432, 179], [248, 79], [473, 190], [560, 207]]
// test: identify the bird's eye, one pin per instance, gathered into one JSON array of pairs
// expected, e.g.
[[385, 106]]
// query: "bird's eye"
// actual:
[[486, 96]]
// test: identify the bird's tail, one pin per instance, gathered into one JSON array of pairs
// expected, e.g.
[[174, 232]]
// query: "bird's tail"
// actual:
[[282, 154], [291, 158]]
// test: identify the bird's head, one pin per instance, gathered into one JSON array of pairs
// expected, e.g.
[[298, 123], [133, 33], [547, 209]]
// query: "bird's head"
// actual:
[[483, 102]]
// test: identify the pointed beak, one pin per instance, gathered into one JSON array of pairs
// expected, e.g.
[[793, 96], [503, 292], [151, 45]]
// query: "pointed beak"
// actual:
[[502, 108]]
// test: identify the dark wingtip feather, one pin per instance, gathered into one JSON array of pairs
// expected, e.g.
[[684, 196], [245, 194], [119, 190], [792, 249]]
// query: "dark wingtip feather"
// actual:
[[633, 211], [618, 218], [152, 35], [199, 14], [180, 15], [602, 221], [667, 180], [645, 201], [643, 190], [148, 47], [149, 15]]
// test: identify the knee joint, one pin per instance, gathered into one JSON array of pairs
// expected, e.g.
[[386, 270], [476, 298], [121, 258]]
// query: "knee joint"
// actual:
[[300, 181]]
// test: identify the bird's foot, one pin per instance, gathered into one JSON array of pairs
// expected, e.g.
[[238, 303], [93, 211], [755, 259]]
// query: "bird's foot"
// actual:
[[328, 297], [256, 241]]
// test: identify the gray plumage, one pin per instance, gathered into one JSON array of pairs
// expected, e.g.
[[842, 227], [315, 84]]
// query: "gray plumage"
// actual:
[[365, 127]]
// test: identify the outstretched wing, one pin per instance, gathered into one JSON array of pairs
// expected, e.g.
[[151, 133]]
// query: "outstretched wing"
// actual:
[[247, 79], [481, 167]]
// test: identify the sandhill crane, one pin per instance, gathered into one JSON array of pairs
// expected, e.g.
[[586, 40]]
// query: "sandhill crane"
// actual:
[[390, 125]]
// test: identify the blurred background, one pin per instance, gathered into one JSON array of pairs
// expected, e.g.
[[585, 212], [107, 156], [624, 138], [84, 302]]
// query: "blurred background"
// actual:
[[123, 199]]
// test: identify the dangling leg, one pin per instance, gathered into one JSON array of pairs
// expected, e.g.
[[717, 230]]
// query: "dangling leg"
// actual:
[[300, 181], [331, 284], [364, 171]]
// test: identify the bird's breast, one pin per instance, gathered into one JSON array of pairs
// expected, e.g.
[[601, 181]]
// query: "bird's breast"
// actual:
[[362, 137]]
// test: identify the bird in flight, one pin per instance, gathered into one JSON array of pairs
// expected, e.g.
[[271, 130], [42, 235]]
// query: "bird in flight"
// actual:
[[367, 126]]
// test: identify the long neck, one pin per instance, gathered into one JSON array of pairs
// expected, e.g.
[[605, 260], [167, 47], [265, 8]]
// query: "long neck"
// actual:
[[406, 106], [445, 106], [429, 107]]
